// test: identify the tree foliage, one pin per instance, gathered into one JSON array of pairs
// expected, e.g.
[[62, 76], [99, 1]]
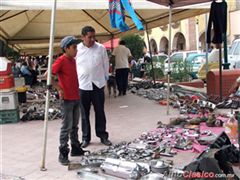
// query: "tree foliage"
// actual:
[[181, 71], [135, 43], [11, 53]]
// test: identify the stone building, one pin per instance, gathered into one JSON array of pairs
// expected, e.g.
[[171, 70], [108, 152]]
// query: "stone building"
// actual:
[[189, 34]]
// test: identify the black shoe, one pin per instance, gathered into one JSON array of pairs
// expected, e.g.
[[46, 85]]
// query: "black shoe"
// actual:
[[234, 104], [84, 144], [124, 93], [63, 159], [63, 156], [106, 142], [120, 93], [77, 150]]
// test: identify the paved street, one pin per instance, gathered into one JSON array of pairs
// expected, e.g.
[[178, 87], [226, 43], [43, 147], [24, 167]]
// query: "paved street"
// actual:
[[127, 118], [21, 143]]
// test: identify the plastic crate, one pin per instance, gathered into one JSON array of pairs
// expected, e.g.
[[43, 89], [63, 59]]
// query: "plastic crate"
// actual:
[[8, 100], [9, 116], [5, 67], [6, 82]]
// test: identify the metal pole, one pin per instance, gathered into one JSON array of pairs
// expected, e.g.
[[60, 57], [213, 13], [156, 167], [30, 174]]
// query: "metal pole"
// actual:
[[206, 25], [112, 39], [197, 34], [226, 64], [220, 71], [49, 76], [238, 119], [169, 53], [150, 51]]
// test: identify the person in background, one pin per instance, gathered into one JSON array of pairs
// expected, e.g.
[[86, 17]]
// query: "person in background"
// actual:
[[65, 68], [92, 69], [34, 72], [19, 63], [16, 70], [133, 67], [122, 56], [26, 73], [235, 87]]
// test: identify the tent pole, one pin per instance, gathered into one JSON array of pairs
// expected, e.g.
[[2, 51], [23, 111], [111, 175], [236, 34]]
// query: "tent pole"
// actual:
[[226, 64], [112, 43], [49, 76], [150, 51], [169, 53], [197, 33], [206, 25], [220, 71]]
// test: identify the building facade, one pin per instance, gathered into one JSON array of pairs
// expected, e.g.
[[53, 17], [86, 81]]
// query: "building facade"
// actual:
[[189, 34]]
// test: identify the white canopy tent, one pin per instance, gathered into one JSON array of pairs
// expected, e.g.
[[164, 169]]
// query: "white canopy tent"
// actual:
[[179, 3], [25, 24], [33, 26]]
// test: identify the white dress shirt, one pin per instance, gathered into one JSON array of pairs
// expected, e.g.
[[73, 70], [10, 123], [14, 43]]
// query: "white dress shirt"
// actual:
[[92, 66]]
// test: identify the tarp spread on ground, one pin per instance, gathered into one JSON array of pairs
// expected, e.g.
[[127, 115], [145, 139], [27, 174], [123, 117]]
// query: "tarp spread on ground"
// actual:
[[25, 25]]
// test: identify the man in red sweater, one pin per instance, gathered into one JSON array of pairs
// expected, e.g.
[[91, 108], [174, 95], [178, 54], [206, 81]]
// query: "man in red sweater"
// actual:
[[65, 68]]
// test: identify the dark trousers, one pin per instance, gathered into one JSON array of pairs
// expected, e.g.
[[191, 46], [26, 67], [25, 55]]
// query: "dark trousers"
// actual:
[[122, 79], [95, 97], [71, 114], [28, 79]]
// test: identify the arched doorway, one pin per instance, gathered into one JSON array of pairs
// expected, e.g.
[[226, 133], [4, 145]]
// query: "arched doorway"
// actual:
[[202, 41], [163, 48], [153, 45], [179, 42]]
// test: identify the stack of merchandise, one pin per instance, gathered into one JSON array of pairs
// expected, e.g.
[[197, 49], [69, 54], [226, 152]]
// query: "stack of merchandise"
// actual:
[[9, 111]]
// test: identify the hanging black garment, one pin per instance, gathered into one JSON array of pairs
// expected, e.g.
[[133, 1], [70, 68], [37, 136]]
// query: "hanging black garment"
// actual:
[[218, 16]]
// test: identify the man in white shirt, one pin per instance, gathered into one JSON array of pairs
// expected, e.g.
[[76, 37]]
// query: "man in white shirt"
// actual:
[[122, 55], [92, 70]]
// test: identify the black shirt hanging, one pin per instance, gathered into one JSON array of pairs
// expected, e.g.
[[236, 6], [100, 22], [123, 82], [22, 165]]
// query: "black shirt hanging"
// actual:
[[218, 16]]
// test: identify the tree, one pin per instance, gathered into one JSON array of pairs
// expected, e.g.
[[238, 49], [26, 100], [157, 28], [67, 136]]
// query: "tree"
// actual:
[[135, 43], [181, 71], [11, 53]]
